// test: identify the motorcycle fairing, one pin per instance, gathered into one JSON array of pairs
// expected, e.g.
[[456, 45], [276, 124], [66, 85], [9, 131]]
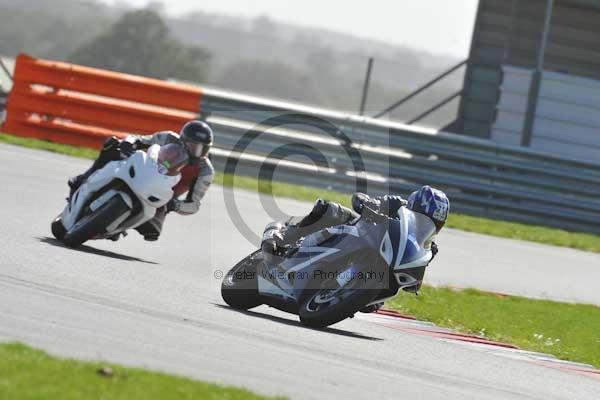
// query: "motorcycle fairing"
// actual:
[[403, 244], [329, 249], [140, 173]]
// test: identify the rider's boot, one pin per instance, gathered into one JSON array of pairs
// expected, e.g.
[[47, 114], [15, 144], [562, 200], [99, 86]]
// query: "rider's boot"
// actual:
[[324, 214], [272, 244], [371, 308], [109, 152], [272, 239], [116, 237], [152, 229], [76, 181]]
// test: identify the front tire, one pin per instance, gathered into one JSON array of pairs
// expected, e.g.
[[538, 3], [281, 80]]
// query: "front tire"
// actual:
[[239, 288], [94, 224]]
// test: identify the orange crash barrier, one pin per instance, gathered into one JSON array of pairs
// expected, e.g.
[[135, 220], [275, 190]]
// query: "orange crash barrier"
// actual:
[[82, 106]]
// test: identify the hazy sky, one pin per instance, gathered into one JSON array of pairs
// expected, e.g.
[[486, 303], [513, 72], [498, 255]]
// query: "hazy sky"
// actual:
[[441, 26]]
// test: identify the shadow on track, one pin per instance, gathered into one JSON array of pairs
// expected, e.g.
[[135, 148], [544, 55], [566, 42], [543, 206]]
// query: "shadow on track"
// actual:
[[296, 323], [91, 250]]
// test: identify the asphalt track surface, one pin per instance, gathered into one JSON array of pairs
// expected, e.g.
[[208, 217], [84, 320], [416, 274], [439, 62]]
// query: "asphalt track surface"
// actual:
[[158, 305]]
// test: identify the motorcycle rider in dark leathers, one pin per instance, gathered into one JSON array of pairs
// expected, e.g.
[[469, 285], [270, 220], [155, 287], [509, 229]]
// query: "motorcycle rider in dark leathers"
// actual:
[[196, 177], [426, 200]]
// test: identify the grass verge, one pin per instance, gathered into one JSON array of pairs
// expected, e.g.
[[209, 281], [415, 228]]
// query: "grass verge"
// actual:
[[26, 373], [49, 146], [568, 331], [505, 229]]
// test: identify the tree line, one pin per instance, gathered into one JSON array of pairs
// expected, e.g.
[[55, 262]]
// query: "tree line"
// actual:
[[257, 56]]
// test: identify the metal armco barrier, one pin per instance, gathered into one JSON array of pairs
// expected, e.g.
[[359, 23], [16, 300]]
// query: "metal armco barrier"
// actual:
[[480, 177], [82, 106], [79, 105]]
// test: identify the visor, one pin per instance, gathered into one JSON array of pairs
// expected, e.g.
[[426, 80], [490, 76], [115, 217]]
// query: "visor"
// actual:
[[194, 149], [171, 159]]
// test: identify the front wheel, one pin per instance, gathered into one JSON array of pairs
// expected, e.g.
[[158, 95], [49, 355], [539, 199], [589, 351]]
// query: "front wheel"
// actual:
[[239, 288], [332, 303], [96, 223]]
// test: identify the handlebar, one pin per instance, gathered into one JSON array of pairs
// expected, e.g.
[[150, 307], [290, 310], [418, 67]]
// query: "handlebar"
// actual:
[[370, 215]]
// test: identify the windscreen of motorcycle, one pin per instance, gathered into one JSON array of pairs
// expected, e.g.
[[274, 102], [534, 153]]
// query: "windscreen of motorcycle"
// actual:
[[416, 240], [171, 159]]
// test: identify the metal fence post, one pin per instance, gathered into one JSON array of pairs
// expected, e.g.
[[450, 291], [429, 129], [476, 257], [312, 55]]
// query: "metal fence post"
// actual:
[[419, 90], [365, 92], [536, 80]]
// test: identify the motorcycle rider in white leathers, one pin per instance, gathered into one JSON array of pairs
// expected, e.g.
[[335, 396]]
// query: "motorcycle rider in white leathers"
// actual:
[[196, 176]]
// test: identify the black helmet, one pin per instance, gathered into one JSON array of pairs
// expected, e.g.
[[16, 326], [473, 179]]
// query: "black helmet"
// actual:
[[197, 136]]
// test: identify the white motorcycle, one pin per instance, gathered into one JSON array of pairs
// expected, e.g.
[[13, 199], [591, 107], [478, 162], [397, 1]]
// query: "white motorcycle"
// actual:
[[121, 195]]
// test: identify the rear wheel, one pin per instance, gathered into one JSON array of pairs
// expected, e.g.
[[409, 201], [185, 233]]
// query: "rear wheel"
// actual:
[[58, 229], [95, 223], [239, 288], [332, 303]]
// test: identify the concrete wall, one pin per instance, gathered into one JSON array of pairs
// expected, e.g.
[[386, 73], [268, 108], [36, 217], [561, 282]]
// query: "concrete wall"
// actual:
[[509, 33], [573, 44], [567, 118], [567, 115], [510, 111]]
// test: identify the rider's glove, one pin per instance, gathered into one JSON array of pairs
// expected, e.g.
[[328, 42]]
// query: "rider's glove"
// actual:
[[359, 200], [173, 205], [391, 204], [127, 148], [110, 143]]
